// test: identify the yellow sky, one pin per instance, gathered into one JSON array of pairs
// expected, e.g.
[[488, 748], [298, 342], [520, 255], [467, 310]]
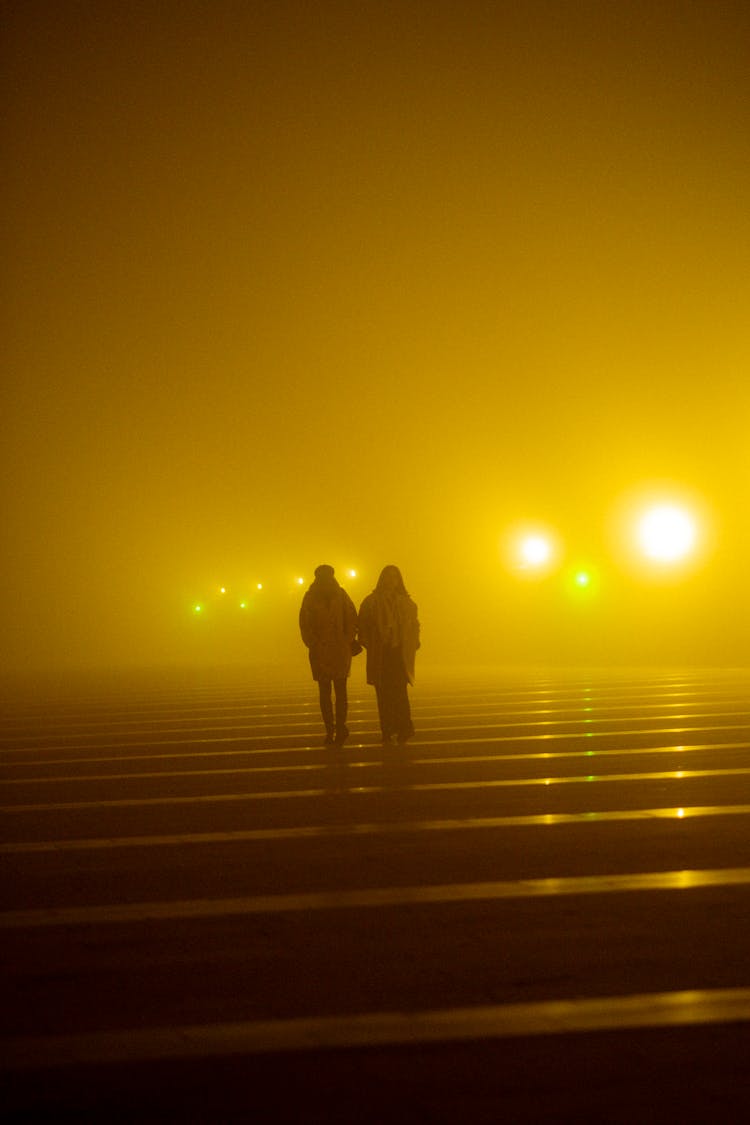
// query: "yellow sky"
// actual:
[[290, 283]]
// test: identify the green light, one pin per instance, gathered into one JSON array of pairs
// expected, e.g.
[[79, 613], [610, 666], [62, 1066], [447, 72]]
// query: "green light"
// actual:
[[583, 581], [198, 608], [243, 605]]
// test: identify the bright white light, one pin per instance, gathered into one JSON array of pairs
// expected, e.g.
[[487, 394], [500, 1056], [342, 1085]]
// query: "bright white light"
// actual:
[[352, 573], [531, 549], [666, 533], [300, 581], [259, 586], [535, 550]]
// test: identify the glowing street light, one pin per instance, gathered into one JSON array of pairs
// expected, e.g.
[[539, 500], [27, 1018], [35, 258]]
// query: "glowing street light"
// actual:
[[531, 549], [535, 550], [663, 530], [666, 533]]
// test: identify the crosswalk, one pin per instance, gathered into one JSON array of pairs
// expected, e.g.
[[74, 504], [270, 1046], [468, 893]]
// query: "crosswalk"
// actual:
[[189, 873]]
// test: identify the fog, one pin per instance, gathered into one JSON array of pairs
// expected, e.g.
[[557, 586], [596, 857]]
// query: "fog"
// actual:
[[365, 284]]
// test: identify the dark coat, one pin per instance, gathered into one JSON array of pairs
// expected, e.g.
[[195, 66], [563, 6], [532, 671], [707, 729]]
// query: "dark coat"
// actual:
[[328, 624], [369, 635]]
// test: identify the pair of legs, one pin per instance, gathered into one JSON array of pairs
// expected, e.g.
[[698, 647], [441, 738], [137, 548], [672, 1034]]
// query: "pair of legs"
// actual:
[[393, 698], [340, 732]]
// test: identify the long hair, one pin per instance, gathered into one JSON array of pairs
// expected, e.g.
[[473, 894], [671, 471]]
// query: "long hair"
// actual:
[[391, 572]]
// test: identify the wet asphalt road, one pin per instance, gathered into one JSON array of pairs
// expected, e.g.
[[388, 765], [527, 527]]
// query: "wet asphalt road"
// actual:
[[539, 910]]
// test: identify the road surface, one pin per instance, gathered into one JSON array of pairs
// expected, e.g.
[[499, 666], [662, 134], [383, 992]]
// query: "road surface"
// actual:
[[539, 910]]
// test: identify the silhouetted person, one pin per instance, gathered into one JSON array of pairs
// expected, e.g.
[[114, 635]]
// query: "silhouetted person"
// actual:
[[328, 623], [389, 630]]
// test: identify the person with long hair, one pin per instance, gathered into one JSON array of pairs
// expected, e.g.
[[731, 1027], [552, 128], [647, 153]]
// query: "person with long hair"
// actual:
[[328, 624], [389, 630]]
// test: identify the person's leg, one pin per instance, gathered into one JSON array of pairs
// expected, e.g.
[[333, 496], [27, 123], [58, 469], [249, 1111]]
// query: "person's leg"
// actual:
[[381, 697], [388, 695], [402, 709], [326, 706], [398, 711], [342, 702]]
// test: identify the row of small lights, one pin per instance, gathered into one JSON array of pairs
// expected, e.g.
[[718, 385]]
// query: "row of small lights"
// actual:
[[223, 590], [666, 534]]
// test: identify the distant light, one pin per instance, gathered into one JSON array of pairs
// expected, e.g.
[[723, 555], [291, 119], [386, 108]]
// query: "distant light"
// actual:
[[259, 586], [582, 586], [197, 608], [300, 581], [531, 549], [223, 590], [535, 550], [666, 533], [243, 605], [352, 573]]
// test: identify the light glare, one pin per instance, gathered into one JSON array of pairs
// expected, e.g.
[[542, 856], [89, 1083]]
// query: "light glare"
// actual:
[[535, 550], [666, 533]]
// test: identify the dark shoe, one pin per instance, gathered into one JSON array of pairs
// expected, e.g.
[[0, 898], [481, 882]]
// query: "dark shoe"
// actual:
[[329, 739], [341, 735]]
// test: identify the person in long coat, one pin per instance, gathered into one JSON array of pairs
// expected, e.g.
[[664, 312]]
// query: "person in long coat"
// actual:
[[328, 624], [389, 630]]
